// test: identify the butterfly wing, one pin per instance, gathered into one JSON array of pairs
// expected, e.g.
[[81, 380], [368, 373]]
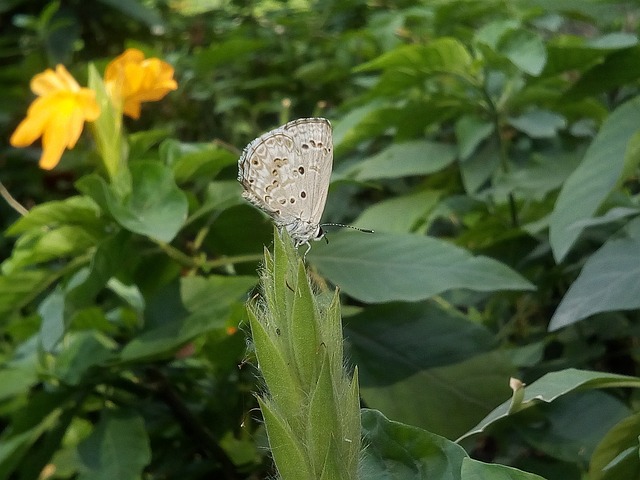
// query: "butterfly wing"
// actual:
[[312, 138], [286, 173]]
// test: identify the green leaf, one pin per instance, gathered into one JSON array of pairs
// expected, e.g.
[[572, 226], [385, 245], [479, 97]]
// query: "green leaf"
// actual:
[[608, 281], [617, 454], [397, 451], [195, 161], [71, 211], [470, 132], [141, 143], [51, 311], [442, 55], [491, 33], [393, 341], [82, 350], [384, 267], [19, 288], [525, 50], [213, 294], [17, 380], [552, 386], [43, 245], [475, 470], [617, 70], [592, 181], [106, 262], [401, 214], [614, 41], [358, 124], [534, 180], [117, 448], [419, 157], [220, 53], [539, 123], [203, 305], [480, 167], [461, 393], [30, 422], [573, 426], [135, 9], [155, 207]]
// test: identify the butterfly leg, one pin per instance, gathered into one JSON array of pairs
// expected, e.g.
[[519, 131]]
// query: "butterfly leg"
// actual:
[[304, 257]]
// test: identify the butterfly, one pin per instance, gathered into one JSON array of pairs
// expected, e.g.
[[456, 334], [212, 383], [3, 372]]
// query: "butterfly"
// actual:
[[286, 174]]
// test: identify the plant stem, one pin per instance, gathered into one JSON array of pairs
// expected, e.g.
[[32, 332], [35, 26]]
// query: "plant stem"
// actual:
[[13, 203]]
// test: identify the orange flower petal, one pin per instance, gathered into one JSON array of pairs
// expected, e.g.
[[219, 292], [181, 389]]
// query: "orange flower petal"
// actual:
[[54, 141], [50, 82], [32, 127], [131, 80], [89, 105], [58, 115]]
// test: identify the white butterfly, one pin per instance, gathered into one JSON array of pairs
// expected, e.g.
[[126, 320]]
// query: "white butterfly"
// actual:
[[286, 173]]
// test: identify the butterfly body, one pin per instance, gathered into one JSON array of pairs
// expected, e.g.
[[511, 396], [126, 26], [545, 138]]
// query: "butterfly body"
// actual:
[[286, 173]]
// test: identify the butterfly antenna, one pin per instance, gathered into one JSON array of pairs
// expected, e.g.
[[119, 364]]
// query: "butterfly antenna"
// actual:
[[363, 230]]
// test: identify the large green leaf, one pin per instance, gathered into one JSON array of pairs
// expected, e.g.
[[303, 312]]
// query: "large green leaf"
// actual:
[[384, 267], [610, 280], [475, 470], [117, 448], [446, 400], [155, 206], [443, 55], [619, 68], [592, 181], [404, 452], [617, 454], [393, 341], [401, 214], [419, 157], [552, 386], [574, 424]]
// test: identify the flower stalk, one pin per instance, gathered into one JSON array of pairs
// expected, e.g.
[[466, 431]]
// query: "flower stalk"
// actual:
[[312, 409]]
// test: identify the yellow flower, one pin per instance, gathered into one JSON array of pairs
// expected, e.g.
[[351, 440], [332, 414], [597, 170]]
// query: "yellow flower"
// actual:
[[57, 115], [131, 79]]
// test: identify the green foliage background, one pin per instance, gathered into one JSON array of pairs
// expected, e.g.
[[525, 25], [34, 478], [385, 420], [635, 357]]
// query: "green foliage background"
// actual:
[[493, 146]]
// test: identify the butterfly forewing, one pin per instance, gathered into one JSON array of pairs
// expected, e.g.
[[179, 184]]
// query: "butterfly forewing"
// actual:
[[313, 139], [286, 173]]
